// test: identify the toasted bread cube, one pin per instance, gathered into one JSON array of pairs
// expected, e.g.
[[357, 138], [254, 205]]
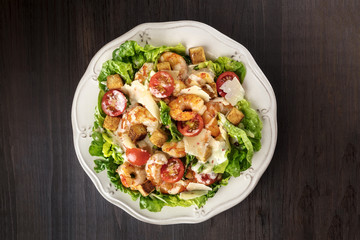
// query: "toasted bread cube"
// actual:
[[235, 116], [158, 138], [146, 188], [137, 132], [163, 66], [111, 123], [197, 55], [189, 173], [114, 82], [210, 89]]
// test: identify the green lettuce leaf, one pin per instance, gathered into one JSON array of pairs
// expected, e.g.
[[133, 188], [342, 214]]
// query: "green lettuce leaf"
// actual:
[[170, 125], [251, 123], [111, 67], [96, 145], [223, 64], [236, 154], [237, 160], [221, 167], [132, 52]]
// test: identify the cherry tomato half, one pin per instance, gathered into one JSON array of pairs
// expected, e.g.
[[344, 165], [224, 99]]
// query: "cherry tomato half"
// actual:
[[222, 79], [192, 127], [161, 84], [206, 178], [137, 156], [113, 103], [173, 171]]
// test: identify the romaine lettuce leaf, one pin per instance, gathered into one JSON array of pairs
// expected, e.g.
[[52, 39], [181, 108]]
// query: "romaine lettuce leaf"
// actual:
[[237, 160], [223, 64], [96, 145], [132, 52], [251, 123], [110, 67], [170, 125], [221, 167], [235, 156]]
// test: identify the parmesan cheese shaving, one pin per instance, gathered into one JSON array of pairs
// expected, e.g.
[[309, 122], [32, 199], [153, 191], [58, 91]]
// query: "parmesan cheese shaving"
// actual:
[[196, 91], [197, 145], [139, 93], [197, 186], [234, 91]]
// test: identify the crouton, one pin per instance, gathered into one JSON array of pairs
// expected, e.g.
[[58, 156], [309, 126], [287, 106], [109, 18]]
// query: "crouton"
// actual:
[[137, 132], [114, 82], [158, 138], [210, 89], [189, 174], [197, 55], [111, 123], [163, 66], [235, 116], [146, 188]]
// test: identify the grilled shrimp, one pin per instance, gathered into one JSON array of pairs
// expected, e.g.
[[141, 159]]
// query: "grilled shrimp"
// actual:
[[174, 149], [200, 78], [131, 176], [186, 102], [153, 173], [179, 85], [143, 72], [212, 109], [177, 63], [138, 115]]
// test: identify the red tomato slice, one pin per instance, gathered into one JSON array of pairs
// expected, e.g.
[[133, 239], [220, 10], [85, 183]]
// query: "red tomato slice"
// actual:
[[161, 84], [192, 127], [113, 103], [206, 178], [137, 156], [222, 79], [173, 171]]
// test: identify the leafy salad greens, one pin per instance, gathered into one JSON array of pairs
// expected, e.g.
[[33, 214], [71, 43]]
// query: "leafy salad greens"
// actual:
[[244, 138]]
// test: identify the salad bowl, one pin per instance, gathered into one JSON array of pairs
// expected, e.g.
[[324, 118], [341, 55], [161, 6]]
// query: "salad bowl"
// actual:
[[258, 91]]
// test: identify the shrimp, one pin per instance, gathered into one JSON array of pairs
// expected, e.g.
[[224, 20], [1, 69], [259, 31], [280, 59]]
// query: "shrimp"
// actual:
[[143, 72], [138, 115], [174, 149], [131, 176], [209, 117], [153, 173], [186, 102], [179, 85], [153, 167], [177, 62], [200, 78]]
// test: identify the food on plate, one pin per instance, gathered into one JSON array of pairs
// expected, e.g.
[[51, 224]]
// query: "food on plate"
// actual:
[[171, 129]]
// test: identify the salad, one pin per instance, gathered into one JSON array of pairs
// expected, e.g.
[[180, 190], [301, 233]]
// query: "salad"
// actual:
[[171, 128]]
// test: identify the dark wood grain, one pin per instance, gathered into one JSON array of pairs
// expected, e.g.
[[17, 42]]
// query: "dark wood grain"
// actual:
[[310, 52]]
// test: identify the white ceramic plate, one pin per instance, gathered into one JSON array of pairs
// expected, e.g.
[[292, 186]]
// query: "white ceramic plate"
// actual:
[[258, 91]]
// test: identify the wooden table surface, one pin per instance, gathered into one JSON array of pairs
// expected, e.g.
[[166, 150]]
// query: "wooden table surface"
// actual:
[[309, 51]]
